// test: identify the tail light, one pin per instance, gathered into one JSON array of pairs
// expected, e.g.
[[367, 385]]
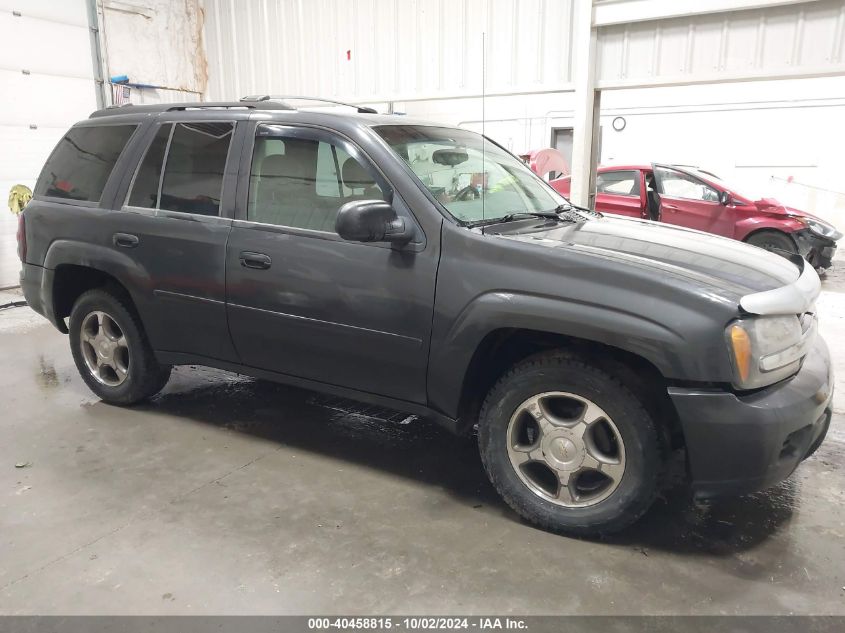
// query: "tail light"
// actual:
[[22, 238]]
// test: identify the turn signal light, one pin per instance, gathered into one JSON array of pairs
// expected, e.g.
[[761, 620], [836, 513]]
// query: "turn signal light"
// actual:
[[741, 344]]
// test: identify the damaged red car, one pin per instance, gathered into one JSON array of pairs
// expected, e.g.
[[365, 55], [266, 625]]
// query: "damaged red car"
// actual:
[[697, 199]]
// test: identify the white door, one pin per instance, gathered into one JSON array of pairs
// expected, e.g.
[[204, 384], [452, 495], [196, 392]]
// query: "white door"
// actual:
[[47, 84]]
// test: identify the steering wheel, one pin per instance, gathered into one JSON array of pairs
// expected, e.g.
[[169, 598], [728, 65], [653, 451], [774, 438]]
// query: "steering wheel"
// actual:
[[463, 194]]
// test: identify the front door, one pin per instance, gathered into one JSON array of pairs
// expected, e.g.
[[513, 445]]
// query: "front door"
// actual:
[[690, 202], [304, 302]]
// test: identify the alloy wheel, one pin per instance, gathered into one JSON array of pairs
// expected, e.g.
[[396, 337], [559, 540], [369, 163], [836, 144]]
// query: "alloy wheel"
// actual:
[[104, 348], [566, 449]]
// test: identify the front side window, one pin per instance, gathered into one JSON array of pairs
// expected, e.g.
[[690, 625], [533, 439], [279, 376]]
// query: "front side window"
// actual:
[[676, 184], [473, 178], [619, 183], [302, 183], [79, 167]]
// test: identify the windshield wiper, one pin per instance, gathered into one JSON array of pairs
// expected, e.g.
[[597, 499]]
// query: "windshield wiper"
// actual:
[[517, 215], [568, 206]]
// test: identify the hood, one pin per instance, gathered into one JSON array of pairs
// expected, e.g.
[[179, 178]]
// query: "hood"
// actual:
[[716, 265], [772, 205], [769, 204]]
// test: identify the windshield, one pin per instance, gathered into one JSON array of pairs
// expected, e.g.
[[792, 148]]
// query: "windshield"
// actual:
[[472, 177]]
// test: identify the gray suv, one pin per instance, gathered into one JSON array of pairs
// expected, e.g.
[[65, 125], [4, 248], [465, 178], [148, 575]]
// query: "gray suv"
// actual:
[[426, 269]]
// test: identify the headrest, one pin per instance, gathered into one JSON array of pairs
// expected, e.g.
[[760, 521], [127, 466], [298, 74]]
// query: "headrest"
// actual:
[[354, 175], [288, 167]]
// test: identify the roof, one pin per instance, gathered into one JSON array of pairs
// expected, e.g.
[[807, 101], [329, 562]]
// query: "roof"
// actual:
[[156, 108], [255, 103], [359, 115], [624, 167]]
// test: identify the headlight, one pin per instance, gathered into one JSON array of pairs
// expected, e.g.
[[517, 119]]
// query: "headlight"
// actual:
[[767, 349], [822, 229]]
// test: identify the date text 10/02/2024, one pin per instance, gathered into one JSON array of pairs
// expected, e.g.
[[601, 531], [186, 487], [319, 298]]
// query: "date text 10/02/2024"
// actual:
[[417, 623]]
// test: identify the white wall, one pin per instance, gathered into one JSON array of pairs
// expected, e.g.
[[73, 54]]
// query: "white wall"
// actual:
[[47, 82], [47, 78]]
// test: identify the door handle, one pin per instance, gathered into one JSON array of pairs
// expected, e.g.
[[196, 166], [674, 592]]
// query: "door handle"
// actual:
[[126, 240], [259, 261]]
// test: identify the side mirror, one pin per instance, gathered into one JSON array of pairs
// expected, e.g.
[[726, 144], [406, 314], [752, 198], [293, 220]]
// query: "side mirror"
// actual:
[[724, 198], [371, 221]]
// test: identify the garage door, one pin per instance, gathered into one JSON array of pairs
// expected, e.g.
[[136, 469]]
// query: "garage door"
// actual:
[[47, 79]]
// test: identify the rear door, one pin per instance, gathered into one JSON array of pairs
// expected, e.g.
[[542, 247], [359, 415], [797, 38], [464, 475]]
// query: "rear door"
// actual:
[[306, 303], [175, 220], [690, 202], [620, 192]]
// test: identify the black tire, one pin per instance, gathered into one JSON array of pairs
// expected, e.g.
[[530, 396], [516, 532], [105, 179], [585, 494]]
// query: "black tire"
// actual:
[[557, 371], [145, 376], [773, 241]]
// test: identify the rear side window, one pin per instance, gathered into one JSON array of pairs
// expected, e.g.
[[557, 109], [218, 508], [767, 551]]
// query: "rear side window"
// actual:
[[194, 158], [79, 167], [193, 173], [148, 177]]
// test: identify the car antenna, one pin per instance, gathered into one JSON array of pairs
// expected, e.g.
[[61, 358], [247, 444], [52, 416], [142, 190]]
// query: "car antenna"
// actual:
[[483, 121]]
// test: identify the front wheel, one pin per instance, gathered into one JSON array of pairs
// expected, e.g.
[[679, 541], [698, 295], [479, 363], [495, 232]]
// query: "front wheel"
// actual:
[[774, 241], [111, 350], [568, 446]]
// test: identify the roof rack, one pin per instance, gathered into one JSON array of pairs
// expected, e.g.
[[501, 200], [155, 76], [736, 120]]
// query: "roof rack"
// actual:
[[153, 108], [264, 98]]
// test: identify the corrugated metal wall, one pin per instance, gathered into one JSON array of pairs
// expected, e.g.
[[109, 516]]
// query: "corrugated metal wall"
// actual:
[[383, 50], [804, 39], [398, 50]]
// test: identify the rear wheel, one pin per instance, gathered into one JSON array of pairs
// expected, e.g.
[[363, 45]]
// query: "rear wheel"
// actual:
[[111, 350], [568, 446], [774, 241]]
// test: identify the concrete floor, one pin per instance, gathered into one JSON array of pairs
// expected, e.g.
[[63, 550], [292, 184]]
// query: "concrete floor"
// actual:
[[228, 495]]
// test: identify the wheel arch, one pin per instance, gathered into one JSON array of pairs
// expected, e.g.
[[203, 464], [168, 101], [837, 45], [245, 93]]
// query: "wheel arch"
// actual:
[[70, 281], [75, 268], [501, 348], [745, 233]]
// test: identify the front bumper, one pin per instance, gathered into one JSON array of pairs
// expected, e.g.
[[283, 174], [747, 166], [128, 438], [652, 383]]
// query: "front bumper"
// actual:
[[742, 443], [819, 251]]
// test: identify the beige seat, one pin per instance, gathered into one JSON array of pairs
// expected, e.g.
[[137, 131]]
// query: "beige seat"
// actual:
[[356, 177]]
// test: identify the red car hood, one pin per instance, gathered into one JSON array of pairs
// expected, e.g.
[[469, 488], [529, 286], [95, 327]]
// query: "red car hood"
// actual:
[[771, 205]]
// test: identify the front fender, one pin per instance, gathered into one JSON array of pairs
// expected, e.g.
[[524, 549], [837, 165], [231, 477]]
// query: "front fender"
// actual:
[[744, 228], [658, 342]]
